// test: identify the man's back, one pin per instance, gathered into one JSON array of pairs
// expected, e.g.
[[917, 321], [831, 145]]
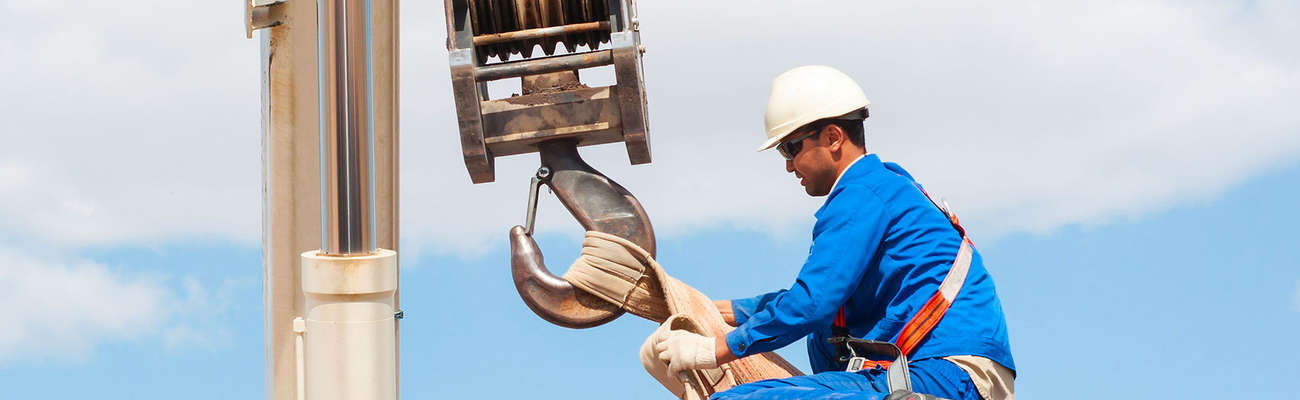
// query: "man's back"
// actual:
[[916, 250]]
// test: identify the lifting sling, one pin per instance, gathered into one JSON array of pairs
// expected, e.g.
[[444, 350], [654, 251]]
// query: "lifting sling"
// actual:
[[620, 272]]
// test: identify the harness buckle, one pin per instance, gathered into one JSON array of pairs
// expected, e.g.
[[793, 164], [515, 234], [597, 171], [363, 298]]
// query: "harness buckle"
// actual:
[[856, 364], [856, 352]]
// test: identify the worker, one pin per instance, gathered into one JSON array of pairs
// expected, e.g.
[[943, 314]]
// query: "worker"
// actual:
[[880, 251]]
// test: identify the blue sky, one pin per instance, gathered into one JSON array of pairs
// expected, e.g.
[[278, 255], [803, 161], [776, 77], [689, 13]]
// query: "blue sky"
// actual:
[[1127, 168]]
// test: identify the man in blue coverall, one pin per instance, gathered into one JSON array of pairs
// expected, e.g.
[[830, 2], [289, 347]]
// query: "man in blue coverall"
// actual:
[[880, 251]]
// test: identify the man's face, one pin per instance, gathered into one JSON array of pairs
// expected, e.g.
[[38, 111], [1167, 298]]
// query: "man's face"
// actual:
[[812, 164]]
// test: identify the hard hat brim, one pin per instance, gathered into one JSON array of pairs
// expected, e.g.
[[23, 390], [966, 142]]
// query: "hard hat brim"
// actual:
[[857, 113], [770, 143]]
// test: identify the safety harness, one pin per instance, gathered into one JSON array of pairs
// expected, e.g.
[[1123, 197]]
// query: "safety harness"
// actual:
[[854, 351]]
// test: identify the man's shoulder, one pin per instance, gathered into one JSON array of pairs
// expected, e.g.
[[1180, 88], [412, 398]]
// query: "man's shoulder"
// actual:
[[872, 170], [875, 177], [863, 195], [857, 188], [888, 186]]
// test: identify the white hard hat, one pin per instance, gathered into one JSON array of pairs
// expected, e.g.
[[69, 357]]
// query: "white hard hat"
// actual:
[[806, 94]]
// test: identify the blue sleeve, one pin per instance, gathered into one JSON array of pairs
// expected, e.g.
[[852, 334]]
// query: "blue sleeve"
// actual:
[[745, 308], [849, 231]]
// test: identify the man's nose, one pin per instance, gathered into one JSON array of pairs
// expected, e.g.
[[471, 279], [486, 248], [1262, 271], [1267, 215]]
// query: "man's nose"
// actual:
[[789, 165]]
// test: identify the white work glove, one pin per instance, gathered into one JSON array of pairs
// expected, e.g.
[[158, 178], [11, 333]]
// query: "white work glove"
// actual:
[[659, 369], [686, 351]]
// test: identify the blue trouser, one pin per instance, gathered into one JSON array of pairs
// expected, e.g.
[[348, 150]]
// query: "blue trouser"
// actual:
[[934, 376]]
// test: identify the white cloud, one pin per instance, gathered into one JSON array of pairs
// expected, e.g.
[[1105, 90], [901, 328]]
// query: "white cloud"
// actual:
[[1027, 117], [62, 308], [131, 128], [201, 315]]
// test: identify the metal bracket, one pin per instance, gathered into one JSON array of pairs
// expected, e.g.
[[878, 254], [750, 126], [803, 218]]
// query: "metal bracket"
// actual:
[[260, 14]]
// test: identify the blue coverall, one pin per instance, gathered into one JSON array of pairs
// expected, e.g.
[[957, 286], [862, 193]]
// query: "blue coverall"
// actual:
[[880, 249]]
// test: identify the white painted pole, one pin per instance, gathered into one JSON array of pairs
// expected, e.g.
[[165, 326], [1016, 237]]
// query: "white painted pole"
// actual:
[[300, 361]]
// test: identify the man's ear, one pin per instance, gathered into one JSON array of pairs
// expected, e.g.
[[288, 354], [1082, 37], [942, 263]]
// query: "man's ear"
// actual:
[[835, 137]]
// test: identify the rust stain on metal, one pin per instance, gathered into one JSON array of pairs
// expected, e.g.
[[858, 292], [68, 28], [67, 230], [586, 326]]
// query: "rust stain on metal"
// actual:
[[531, 100]]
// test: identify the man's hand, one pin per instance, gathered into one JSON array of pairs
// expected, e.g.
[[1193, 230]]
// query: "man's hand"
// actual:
[[659, 369], [728, 313], [685, 351]]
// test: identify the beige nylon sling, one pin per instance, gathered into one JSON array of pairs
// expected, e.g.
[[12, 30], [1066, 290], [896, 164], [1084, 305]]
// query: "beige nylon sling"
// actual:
[[623, 273]]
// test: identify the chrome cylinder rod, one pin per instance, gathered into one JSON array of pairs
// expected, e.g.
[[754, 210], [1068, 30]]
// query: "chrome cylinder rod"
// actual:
[[344, 59]]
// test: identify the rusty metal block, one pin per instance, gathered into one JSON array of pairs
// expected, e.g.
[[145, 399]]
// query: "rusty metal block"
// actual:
[[554, 105], [515, 125]]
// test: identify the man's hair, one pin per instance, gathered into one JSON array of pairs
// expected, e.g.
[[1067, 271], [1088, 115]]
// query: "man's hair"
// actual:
[[853, 128]]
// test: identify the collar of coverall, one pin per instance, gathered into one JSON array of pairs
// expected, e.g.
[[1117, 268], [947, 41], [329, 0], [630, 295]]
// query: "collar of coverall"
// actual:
[[846, 169]]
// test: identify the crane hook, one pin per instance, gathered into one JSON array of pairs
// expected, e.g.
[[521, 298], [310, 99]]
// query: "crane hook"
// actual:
[[599, 204]]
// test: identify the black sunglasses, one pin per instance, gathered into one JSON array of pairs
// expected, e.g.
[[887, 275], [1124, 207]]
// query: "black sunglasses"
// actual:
[[791, 147]]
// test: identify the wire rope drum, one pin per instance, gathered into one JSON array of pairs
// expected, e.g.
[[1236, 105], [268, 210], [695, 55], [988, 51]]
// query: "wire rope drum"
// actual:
[[504, 16]]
